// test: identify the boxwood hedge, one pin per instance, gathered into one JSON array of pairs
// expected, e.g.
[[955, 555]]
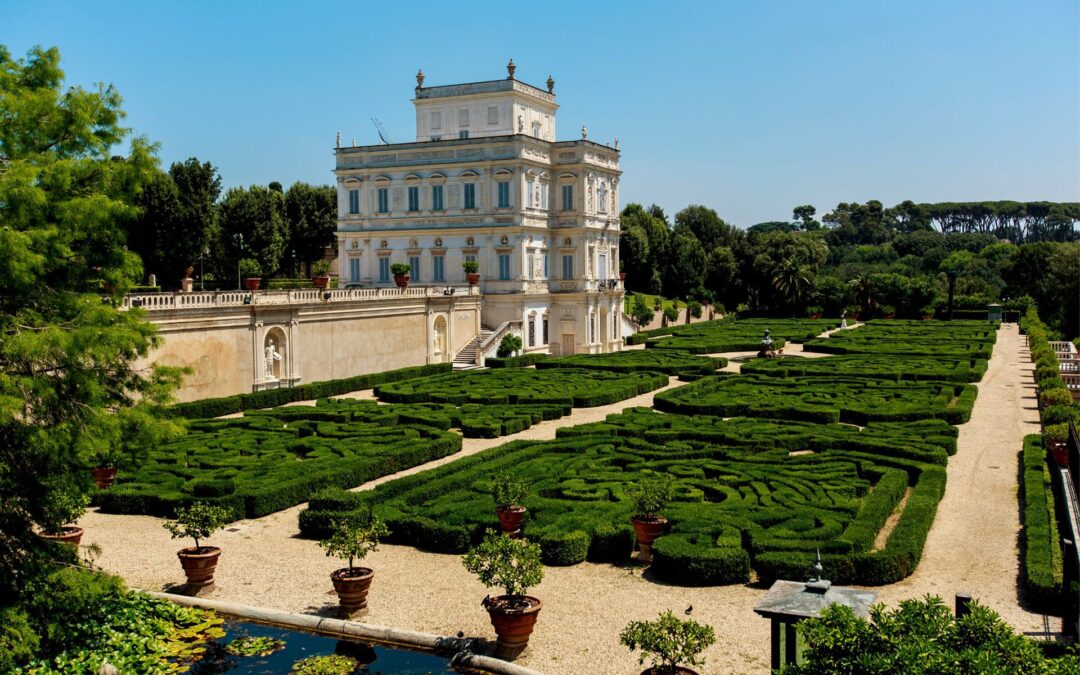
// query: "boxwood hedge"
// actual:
[[951, 339], [672, 362], [875, 366], [750, 494], [1040, 544], [730, 335], [820, 399]]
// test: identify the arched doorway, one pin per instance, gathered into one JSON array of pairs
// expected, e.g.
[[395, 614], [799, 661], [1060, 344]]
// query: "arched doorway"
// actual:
[[439, 342]]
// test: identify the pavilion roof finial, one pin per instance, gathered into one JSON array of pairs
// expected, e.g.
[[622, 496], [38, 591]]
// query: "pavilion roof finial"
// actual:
[[551, 85], [510, 68]]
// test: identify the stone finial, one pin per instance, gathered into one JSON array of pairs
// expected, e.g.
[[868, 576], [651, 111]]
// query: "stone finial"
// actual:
[[354, 142], [551, 85], [817, 569], [616, 142], [337, 143], [584, 132], [420, 79], [510, 68]]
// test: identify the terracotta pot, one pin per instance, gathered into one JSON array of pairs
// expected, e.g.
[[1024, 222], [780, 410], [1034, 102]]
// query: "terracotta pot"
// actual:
[[402, 280], [622, 276], [351, 586], [928, 317], [854, 317], [69, 534], [815, 315], [321, 281], [473, 278], [647, 529], [199, 564], [510, 518], [1060, 453], [679, 670], [252, 283], [889, 316], [513, 617], [104, 476]]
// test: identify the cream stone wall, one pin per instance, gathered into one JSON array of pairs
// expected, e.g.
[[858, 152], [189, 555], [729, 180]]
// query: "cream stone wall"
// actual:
[[355, 332]]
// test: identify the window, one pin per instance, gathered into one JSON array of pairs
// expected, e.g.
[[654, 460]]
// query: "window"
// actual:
[[354, 270], [546, 272], [601, 198], [470, 258], [536, 129], [436, 137], [504, 194], [504, 267], [436, 198], [464, 133], [568, 198], [493, 114], [414, 198], [463, 117], [603, 266], [470, 195], [414, 263], [384, 200], [532, 265], [354, 201], [531, 199], [532, 330], [384, 269], [568, 267], [436, 120], [438, 269], [545, 330], [543, 195]]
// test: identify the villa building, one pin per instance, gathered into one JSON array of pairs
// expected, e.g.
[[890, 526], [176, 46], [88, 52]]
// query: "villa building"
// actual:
[[487, 181]]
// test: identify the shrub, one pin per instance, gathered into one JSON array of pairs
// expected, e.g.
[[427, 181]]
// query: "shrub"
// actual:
[[508, 491], [509, 564], [1040, 549], [641, 312], [668, 642], [18, 641], [197, 521], [509, 344], [249, 267], [522, 361], [650, 495], [470, 266], [694, 308], [400, 269], [671, 313], [320, 268], [353, 539], [63, 507], [667, 361]]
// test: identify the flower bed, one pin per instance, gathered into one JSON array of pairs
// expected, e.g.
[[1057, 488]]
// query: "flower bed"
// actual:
[[742, 498], [578, 388], [671, 362], [821, 399], [874, 366]]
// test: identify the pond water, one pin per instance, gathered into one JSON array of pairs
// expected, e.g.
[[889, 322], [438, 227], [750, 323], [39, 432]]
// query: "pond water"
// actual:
[[370, 660]]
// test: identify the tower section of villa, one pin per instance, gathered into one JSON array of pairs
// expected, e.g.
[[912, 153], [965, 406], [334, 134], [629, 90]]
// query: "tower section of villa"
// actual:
[[486, 181]]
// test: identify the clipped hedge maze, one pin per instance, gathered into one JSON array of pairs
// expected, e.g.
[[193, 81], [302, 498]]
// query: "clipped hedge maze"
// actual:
[[821, 399], [734, 336], [570, 387], [751, 494], [273, 459], [1040, 544], [874, 366], [951, 339], [659, 360]]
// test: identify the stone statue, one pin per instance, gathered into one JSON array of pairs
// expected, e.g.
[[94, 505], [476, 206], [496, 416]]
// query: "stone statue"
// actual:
[[843, 320], [766, 349], [521, 125], [584, 132], [271, 356]]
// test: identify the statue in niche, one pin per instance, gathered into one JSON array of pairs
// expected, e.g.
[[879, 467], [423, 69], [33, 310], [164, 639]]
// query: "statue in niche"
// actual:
[[271, 356], [521, 125]]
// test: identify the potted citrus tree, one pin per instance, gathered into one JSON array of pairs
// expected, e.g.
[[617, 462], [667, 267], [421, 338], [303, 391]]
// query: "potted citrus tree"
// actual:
[[63, 507], [1055, 437], [400, 271], [320, 274], [105, 464], [512, 565], [353, 540], [251, 272], [508, 494], [472, 272], [198, 522], [668, 643], [649, 496]]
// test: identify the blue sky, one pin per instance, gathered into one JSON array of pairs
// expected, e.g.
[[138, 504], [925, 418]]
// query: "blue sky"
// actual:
[[748, 107]]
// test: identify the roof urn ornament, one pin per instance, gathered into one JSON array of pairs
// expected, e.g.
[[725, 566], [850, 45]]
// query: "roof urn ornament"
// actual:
[[420, 79], [510, 68], [616, 142], [551, 85], [338, 142]]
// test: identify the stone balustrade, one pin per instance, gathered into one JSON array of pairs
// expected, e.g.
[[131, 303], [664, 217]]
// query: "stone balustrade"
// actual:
[[211, 299]]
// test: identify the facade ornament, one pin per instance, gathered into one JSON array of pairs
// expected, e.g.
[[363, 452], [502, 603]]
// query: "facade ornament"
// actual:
[[420, 79], [271, 356], [584, 132], [510, 68], [521, 124], [338, 142], [616, 142], [551, 85]]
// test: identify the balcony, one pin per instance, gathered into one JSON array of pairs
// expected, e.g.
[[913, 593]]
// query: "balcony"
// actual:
[[586, 286]]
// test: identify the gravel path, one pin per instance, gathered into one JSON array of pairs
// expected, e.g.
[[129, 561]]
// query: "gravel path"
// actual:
[[972, 547]]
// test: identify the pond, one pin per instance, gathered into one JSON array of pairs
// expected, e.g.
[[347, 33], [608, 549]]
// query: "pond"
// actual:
[[291, 647]]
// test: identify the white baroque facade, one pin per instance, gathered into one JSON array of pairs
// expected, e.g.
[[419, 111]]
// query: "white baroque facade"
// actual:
[[486, 181]]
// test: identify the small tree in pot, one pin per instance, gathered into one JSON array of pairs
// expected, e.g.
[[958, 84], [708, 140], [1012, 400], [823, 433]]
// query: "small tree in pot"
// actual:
[[198, 522], [353, 540], [64, 507], [668, 643], [472, 271], [509, 494], [400, 271], [105, 464], [1055, 437], [320, 274], [649, 496], [251, 272], [514, 566]]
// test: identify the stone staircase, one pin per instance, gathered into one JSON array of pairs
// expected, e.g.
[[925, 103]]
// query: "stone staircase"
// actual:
[[466, 358]]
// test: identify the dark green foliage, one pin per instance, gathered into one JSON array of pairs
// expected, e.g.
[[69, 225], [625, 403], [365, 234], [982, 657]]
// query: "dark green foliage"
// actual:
[[567, 387], [920, 636], [216, 407], [821, 399], [947, 339], [18, 641], [731, 335], [670, 362], [874, 366], [514, 361], [741, 496], [1040, 546], [509, 344]]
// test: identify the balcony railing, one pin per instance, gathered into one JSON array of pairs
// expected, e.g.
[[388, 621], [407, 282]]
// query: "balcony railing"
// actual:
[[212, 299], [587, 285]]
